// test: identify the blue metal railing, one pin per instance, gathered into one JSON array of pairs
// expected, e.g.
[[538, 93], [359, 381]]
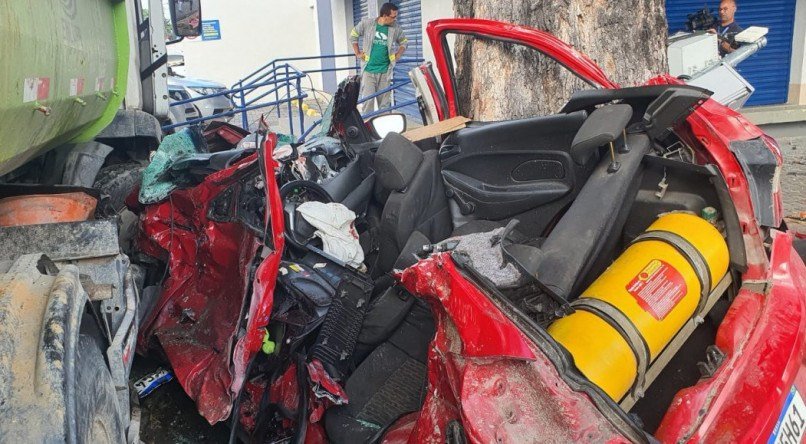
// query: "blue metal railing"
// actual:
[[395, 85], [284, 81], [278, 83]]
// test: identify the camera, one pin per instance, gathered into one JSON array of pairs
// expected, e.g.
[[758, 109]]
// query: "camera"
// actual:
[[701, 20]]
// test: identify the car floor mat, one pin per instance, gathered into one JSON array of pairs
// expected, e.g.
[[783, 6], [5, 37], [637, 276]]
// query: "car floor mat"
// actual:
[[388, 384]]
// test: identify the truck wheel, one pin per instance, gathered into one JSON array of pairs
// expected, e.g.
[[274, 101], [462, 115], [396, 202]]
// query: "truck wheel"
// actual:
[[97, 416], [118, 181]]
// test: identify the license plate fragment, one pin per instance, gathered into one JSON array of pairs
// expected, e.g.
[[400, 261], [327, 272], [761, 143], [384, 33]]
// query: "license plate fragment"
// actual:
[[791, 424], [151, 381]]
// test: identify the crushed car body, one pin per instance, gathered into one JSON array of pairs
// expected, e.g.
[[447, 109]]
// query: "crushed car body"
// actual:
[[538, 277]]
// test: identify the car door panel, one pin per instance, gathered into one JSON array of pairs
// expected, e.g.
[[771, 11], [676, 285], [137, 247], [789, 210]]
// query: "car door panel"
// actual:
[[501, 202], [501, 170]]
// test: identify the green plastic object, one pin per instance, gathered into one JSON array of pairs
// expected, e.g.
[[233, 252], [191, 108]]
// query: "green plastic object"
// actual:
[[268, 345], [63, 75], [709, 214]]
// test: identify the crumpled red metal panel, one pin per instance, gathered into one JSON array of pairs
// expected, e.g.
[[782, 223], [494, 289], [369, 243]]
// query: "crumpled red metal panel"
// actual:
[[195, 320], [486, 374], [484, 330], [762, 335], [712, 127], [262, 300]]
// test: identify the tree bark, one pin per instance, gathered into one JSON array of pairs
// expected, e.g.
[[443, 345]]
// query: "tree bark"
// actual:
[[498, 80]]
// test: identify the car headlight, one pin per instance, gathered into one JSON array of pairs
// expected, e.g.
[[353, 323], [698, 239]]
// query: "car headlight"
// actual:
[[207, 91]]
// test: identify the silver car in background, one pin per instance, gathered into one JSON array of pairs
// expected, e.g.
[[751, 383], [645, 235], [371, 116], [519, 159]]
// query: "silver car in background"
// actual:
[[182, 88]]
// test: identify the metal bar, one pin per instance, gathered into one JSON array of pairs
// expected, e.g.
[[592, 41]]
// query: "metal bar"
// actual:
[[677, 342], [370, 115], [385, 110], [233, 112], [288, 94], [244, 117], [274, 71], [744, 51], [273, 74], [249, 88], [301, 114], [274, 62], [308, 131], [277, 98], [391, 87], [314, 71], [257, 71], [237, 90], [275, 89], [294, 59], [348, 68]]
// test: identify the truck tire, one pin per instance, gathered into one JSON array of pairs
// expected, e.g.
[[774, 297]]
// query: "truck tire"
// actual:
[[97, 415], [118, 181]]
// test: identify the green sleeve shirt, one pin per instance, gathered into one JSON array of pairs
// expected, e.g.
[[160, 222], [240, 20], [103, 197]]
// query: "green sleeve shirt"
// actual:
[[379, 54]]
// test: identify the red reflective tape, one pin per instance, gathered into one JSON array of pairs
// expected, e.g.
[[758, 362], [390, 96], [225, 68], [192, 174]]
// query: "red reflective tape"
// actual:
[[35, 89], [43, 88]]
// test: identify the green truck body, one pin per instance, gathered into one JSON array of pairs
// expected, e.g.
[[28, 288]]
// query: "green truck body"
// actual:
[[63, 73]]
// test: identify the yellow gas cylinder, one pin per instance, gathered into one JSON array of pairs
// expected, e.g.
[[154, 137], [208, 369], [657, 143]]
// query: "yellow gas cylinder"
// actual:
[[630, 313]]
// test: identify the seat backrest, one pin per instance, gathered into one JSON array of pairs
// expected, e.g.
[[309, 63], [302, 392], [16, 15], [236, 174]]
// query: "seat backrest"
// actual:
[[417, 199]]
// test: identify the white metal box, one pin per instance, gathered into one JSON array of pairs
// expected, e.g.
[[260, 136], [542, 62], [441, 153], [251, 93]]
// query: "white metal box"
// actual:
[[728, 86], [692, 53]]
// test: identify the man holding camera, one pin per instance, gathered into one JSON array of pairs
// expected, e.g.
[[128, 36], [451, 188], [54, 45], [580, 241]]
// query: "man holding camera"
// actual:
[[727, 27], [377, 53]]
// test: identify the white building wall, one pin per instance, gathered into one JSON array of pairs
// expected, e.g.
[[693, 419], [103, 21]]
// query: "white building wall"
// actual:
[[253, 32], [797, 75], [432, 10]]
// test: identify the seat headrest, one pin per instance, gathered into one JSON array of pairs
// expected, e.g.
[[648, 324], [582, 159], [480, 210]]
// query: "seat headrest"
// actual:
[[396, 161], [603, 126]]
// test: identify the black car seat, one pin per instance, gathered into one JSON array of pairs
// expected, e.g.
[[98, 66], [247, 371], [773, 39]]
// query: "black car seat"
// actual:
[[390, 382], [417, 201]]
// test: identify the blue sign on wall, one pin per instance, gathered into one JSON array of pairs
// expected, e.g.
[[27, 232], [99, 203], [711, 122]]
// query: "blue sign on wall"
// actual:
[[211, 30]]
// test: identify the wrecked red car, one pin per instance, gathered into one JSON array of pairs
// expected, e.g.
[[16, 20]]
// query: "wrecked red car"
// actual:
[[617, 271]]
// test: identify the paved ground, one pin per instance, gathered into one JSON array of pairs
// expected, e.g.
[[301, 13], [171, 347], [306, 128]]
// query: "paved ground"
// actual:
[[316, 102], [168, 415]]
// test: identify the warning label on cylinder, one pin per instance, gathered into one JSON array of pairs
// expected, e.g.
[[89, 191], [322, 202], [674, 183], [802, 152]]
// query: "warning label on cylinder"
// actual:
[[658, 288]]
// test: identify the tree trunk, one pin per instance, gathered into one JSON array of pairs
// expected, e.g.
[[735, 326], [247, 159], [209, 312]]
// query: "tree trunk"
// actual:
[[498, 80]]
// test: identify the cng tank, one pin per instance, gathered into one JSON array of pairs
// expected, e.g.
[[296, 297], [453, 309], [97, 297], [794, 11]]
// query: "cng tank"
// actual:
[[633, 310], [64, 73]]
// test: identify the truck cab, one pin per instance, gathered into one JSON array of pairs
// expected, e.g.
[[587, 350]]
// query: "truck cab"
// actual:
[[82, 94]]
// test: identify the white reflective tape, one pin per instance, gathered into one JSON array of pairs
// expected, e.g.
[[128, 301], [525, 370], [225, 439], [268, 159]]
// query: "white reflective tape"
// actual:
[[29, 89], [76, 87]]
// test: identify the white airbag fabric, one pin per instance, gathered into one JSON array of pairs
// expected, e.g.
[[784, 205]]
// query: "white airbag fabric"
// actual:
[[334, 225]]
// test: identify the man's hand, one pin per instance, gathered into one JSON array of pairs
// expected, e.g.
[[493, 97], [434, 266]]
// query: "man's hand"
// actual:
[[726, 47], [392, 58], [712, 31], [361, 55]]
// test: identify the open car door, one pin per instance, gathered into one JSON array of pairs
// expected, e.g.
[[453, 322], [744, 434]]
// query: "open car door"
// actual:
[[536, 175]]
